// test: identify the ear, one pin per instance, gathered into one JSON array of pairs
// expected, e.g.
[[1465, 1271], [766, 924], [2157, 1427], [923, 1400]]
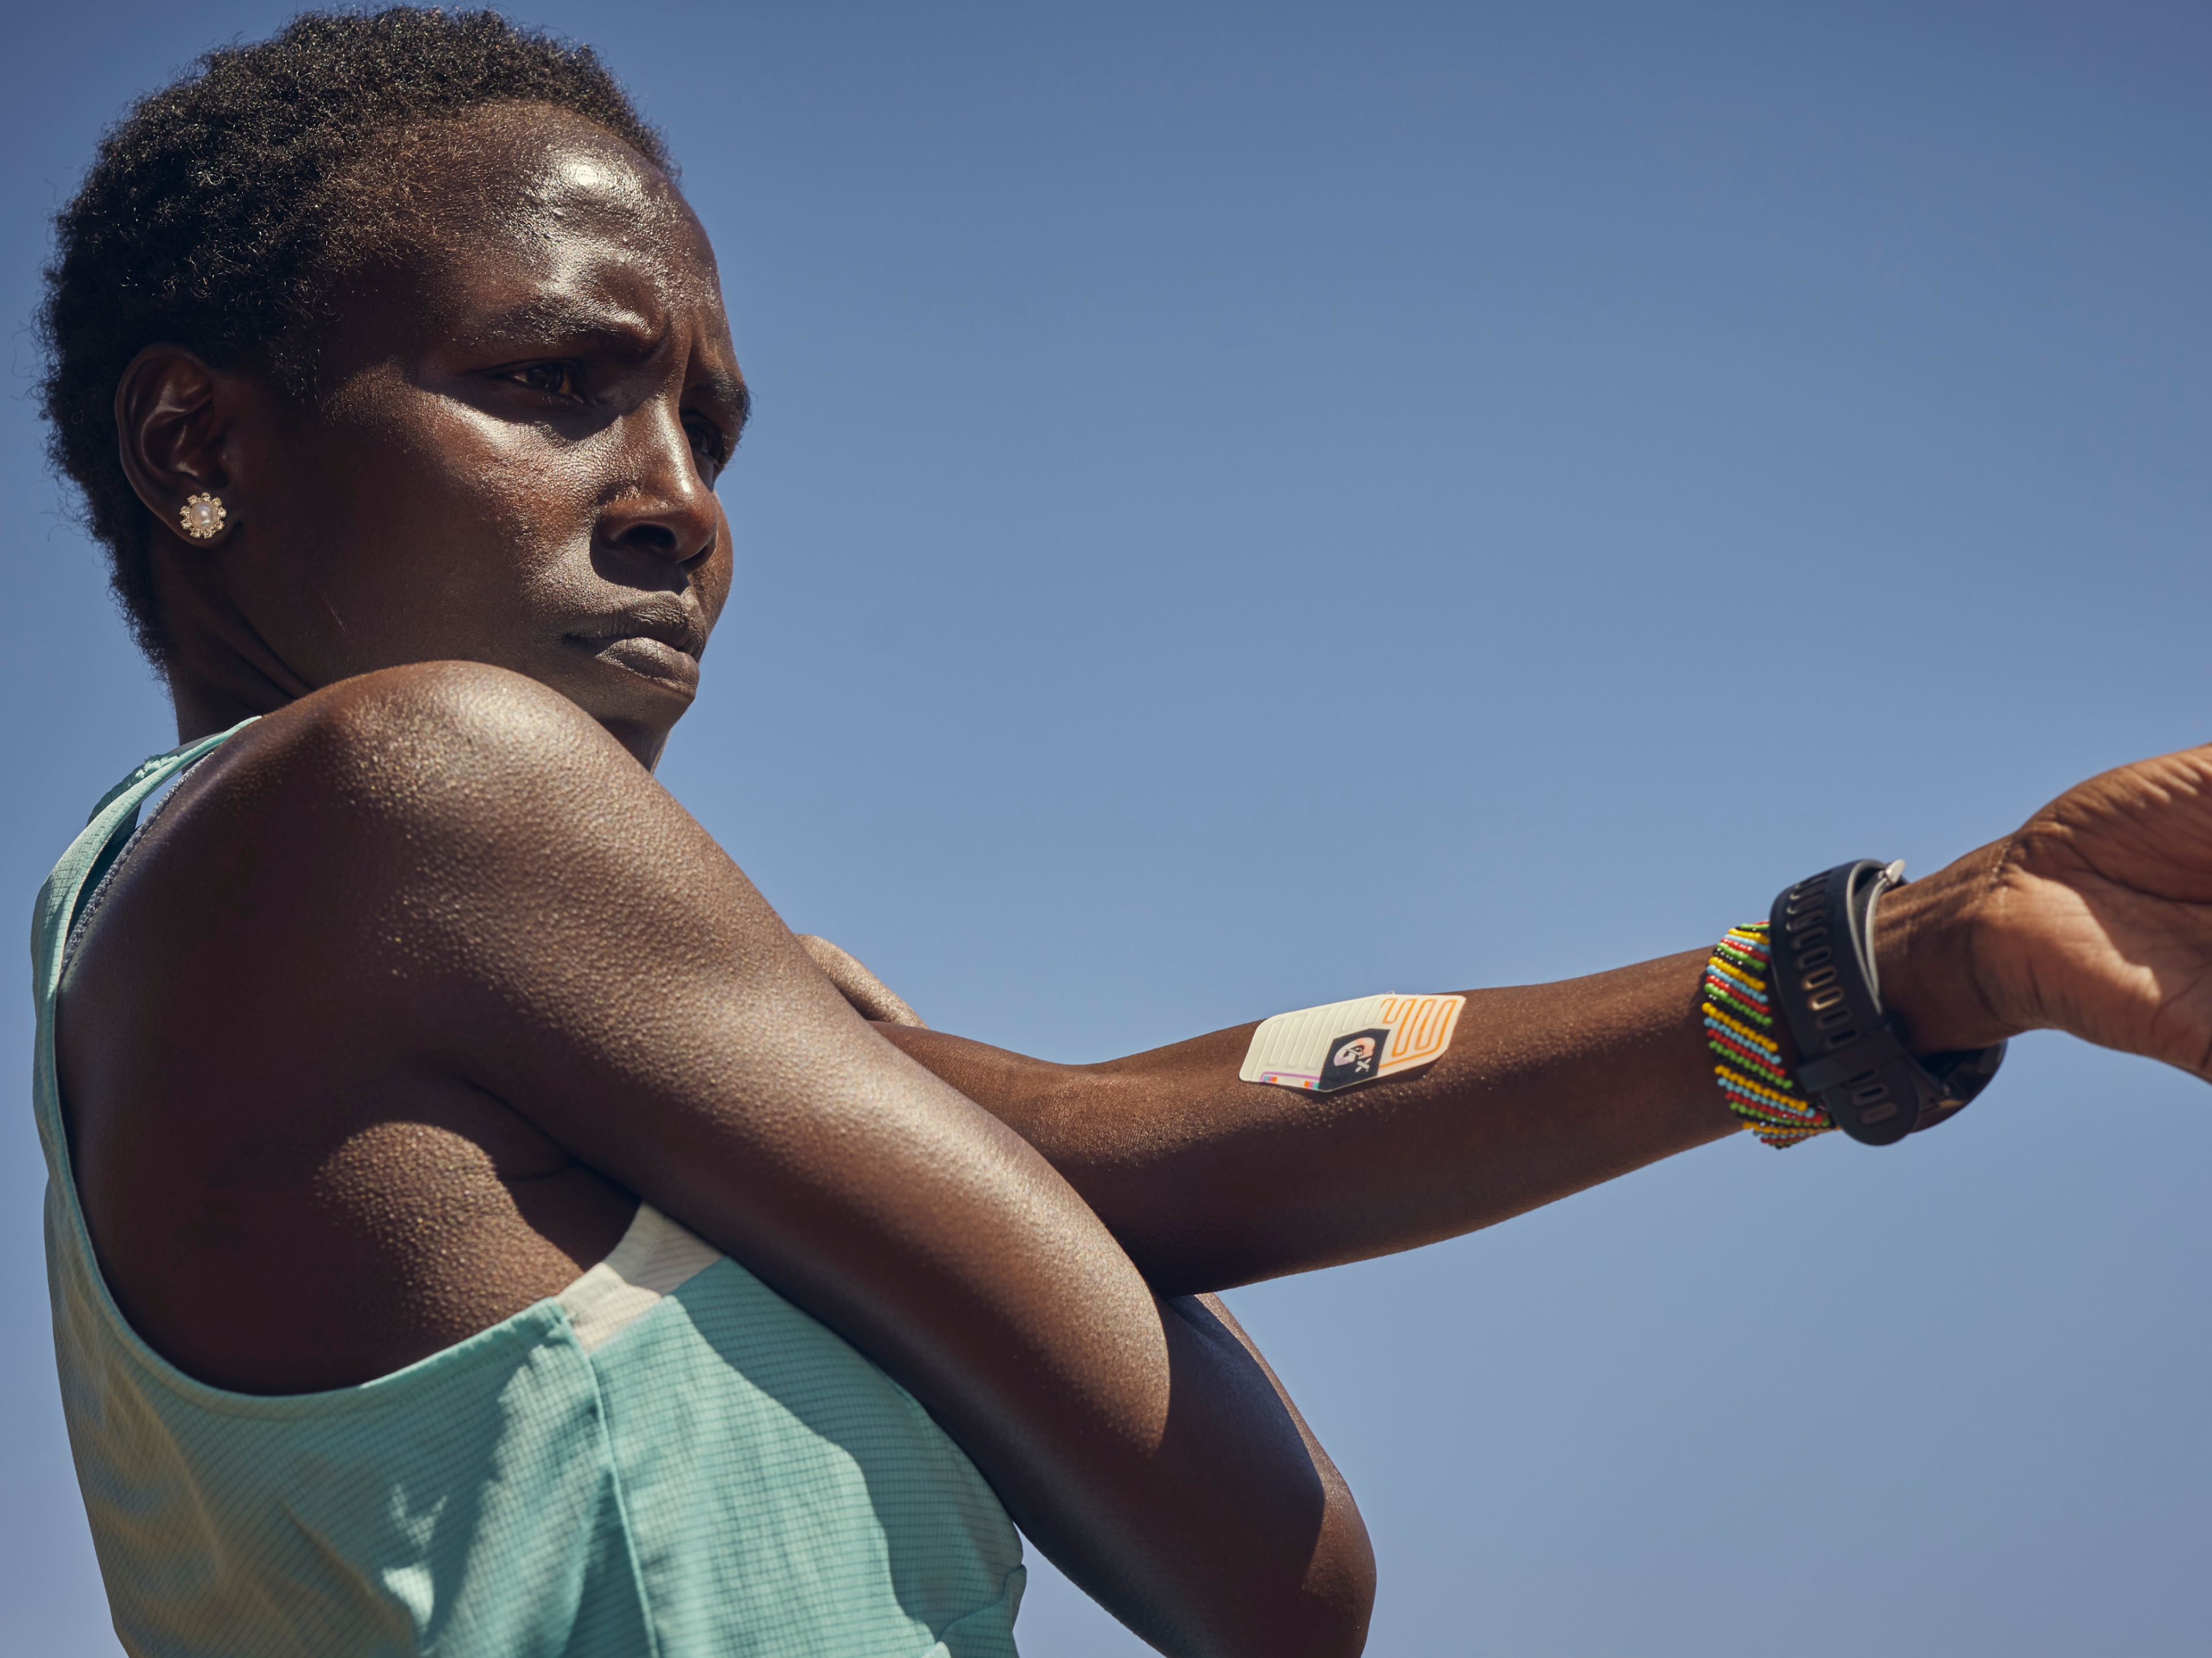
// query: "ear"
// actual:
[[175, 420]]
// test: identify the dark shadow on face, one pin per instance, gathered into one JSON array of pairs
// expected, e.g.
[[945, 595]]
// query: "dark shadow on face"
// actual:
[[511, 453]]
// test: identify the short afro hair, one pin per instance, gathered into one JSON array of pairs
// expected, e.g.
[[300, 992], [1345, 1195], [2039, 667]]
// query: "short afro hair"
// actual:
[[214, 215]]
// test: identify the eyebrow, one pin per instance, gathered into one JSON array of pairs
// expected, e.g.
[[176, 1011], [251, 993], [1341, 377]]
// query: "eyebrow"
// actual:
[[607, 327]]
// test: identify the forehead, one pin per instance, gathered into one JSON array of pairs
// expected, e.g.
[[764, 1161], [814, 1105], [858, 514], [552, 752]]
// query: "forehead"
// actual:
[[523, 206]]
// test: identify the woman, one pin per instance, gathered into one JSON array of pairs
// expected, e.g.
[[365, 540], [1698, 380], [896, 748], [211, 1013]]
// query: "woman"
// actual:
[[477, 1224]]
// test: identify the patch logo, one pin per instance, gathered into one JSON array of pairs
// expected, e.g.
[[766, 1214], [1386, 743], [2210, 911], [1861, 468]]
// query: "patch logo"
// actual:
[[1355, 1058]]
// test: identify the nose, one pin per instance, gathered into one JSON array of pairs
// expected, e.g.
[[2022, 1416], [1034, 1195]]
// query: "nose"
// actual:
[[665, 511]]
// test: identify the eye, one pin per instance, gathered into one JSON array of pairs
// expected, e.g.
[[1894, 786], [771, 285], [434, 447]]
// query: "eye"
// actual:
[[709, 445], [555, 380]]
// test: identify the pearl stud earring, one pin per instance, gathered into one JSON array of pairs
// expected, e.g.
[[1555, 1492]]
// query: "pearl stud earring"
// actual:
[[203, 517]]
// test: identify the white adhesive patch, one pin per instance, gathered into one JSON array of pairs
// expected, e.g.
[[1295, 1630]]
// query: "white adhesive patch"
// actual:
[[1322, 1049]]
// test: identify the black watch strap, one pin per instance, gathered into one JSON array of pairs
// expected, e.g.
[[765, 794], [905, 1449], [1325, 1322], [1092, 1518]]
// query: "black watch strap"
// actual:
[[1851, 1055]]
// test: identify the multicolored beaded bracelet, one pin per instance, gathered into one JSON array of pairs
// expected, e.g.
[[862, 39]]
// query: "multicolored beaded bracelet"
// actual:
[[1740, 1028]]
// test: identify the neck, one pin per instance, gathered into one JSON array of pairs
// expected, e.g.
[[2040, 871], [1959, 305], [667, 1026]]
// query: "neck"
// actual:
[[212, 689], [220, 669]]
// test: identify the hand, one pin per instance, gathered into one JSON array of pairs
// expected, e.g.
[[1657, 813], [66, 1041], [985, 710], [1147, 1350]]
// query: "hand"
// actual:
[[870, 996], [2095, 919]]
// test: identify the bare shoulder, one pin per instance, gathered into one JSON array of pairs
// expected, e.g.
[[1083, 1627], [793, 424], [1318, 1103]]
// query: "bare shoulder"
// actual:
[[401, 786], [431, 741], [409, 855]]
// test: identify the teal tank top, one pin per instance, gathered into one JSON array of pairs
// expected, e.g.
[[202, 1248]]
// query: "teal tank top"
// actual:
[[668, 1459]]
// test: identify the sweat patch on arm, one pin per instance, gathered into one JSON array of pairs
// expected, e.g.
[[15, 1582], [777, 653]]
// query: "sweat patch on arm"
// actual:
[[1322, 1049]]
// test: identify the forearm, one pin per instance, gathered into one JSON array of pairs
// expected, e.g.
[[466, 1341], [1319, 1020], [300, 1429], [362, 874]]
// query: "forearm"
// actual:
[[1209, 1181]]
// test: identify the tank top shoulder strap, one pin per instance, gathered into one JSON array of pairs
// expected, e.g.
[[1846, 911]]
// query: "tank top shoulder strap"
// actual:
[[105, 834]]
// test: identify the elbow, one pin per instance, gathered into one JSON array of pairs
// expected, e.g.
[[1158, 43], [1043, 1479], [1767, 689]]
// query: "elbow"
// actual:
[[1336, 1596], [1325, 1614]]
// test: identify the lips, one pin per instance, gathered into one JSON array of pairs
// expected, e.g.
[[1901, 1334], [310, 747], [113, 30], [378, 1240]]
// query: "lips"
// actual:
[[661, 641], [675, 625]]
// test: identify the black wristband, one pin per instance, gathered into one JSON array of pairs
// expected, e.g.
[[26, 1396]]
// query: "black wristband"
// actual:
[[1851, 1055]]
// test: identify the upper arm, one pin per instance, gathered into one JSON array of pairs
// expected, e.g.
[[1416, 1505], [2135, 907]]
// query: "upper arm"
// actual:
[[531, 911], [491, 879]]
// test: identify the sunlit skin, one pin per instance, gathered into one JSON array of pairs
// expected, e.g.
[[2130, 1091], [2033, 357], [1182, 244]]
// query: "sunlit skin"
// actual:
[[428, 982], [514, 464]]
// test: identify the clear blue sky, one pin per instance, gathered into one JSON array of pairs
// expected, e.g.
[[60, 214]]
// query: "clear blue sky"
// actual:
[[1681, 446]]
